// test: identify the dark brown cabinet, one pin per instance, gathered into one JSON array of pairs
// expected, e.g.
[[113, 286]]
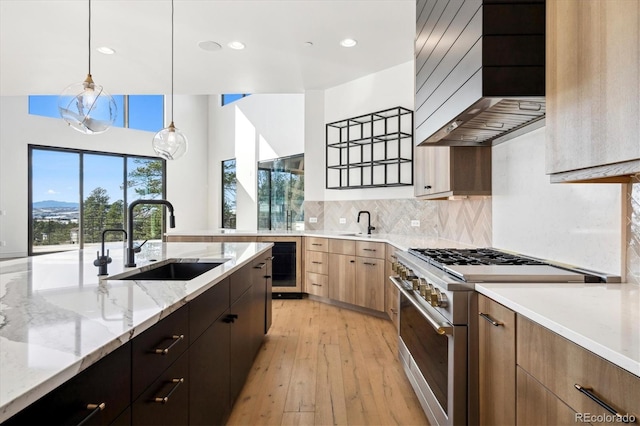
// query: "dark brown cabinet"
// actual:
[[187, 369], [105, 384]]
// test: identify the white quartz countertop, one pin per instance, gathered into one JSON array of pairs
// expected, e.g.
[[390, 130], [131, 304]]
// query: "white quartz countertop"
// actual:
[[603, 318], [57, 317]]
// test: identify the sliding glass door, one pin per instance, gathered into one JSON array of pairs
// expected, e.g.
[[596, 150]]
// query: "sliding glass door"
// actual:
[[281, 193]]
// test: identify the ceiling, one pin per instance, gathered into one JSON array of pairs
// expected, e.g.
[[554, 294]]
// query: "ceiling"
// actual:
[[44, 44]]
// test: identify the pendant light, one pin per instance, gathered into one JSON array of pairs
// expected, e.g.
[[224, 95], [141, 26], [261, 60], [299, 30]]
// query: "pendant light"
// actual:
[[86, 106], [170, 143]]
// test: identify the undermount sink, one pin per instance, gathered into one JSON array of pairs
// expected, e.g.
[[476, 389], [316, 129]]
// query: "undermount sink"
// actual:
[[174, 270]]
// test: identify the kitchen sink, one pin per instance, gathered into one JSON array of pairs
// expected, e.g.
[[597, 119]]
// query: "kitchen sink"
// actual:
[[174, 270], [356, 234]]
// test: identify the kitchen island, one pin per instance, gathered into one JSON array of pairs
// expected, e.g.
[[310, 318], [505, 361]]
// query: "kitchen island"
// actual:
[[58, 318]]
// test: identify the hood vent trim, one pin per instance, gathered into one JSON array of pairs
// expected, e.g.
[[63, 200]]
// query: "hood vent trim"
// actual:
[[491, 121]]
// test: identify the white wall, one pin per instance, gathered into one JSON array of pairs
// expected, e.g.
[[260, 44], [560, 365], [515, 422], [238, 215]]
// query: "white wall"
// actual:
[[579, 224], [385, 89], [254, 128], [185, 187]]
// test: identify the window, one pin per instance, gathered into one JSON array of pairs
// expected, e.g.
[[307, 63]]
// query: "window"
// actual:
[[74, 195], [140, 112], [228, 98], [229, 194], [281, 193]]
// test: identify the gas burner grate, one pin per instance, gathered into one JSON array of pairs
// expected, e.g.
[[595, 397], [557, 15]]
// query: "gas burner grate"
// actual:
[[481, 256]]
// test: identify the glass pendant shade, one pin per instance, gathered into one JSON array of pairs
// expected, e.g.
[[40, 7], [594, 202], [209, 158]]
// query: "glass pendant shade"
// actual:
[[170, 143], [87, 107]]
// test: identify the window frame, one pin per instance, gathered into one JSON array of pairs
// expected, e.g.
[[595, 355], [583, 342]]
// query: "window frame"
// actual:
[[81, 153]]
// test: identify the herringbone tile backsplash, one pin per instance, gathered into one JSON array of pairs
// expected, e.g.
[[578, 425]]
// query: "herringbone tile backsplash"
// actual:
[[467, 221]]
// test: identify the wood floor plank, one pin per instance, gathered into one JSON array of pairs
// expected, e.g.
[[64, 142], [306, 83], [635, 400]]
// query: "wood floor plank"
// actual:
[[325, 365]]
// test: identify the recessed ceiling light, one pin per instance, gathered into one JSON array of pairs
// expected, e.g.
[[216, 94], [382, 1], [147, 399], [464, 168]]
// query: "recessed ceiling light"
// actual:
[[348, 42], [237, 45], [106, 50], [209, 45]]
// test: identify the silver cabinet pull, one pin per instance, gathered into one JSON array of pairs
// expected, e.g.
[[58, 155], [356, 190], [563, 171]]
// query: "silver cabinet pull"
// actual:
[[176, 338], [165, 399], [588, 392], [491, 320], [95, 408], [270, 258], [261, 265]]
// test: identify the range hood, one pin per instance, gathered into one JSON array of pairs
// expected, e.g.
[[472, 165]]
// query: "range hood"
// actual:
[[480, 71], [491, 121]]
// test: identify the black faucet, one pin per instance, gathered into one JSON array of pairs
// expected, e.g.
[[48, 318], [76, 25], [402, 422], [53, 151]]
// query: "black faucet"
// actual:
[[103, 259], [369, 227], [131, 251]]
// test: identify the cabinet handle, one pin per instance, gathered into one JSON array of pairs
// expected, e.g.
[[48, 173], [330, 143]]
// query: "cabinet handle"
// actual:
[[393, 311], [352, 261], [427, 187], [319, 285], [267, 276], [176, 338], [491, 320], [270, 258], [368, 249], [316, 244], [369, 263], [95, 408], [588, 392], [261, 265], [165, 399], [316, 262]]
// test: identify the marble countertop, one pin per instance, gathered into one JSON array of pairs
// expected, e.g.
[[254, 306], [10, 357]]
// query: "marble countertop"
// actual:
[[401, 242], [603, 318], [57, 317]]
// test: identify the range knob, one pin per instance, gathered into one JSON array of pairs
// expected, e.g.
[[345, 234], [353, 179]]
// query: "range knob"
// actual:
[[438, 299]]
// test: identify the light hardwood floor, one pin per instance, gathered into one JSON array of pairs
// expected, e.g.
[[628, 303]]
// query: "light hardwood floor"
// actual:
[[323, 365]]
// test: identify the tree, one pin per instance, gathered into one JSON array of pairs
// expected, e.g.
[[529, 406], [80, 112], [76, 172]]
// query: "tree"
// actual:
[[146, 181], [95, 214], [229, 188], [115, 220]]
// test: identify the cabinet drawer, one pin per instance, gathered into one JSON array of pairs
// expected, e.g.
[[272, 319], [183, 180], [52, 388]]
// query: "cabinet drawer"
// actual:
[[316, 244], [342, 246], [317, 284], [166, 401], [560, 365], [370, 249], [317, 262], [107, 381], [206, 308], [390, 253], [157, 348], [239, 282], [537, 406]]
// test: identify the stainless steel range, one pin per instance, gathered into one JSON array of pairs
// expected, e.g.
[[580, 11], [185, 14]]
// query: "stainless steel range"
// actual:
[[438, 318]]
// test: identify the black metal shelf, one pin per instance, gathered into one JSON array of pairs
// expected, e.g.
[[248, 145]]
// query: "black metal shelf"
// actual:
[[370, 151]]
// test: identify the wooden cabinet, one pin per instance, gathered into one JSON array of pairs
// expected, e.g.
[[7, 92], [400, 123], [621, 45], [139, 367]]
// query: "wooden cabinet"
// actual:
[[166, 400], [342, 276], [355, 279], [538, 406], [443, 171], [316, 261], [106, 382], [392, 294], [497, 363], [561, 366], [593, 113]]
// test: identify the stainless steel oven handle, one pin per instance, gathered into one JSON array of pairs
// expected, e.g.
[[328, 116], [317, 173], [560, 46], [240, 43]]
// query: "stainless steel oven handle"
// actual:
[[442, 328]]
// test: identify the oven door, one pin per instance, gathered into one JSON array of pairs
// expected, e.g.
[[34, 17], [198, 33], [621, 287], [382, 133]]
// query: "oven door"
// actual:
[[434, 356]]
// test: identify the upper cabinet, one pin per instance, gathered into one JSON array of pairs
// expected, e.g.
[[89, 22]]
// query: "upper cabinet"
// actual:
[[593, 90], [480, 70], [448, 171]]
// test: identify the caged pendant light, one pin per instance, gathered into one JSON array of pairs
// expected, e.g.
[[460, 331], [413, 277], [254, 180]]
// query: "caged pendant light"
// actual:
[[86, 106], [170, 143]]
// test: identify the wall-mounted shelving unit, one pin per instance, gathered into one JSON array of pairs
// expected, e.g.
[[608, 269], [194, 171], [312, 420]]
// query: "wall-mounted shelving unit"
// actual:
[[370, 151]]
